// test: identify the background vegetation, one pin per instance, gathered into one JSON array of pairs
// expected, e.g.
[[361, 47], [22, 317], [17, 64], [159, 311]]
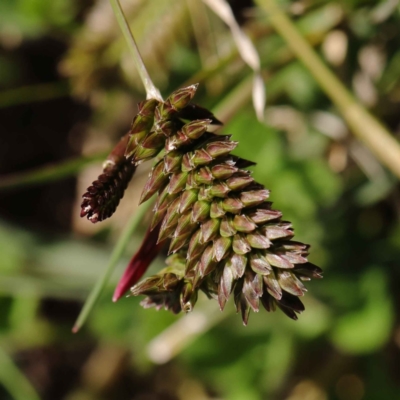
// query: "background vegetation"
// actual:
[[69, 90]]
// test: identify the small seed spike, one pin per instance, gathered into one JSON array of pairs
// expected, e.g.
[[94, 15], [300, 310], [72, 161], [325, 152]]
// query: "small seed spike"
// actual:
[[103, 196]]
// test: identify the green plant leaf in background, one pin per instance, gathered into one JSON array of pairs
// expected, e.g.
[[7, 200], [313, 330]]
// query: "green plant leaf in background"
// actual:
[[368, 328], [10, 374], [33, 18]]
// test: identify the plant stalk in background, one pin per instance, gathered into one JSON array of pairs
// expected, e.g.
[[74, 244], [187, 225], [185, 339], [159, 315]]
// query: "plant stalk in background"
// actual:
[[366, 127]]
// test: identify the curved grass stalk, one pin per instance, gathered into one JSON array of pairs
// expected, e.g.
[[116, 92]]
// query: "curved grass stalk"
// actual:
[[365, 126]]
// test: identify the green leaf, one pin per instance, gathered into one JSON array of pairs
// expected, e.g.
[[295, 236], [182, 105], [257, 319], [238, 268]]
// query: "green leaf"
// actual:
[[324, 185], [258, 143], [278, 357], [14, 380], [369, 328]]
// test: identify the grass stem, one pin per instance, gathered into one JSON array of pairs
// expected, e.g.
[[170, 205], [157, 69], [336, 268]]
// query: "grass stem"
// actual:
[[116, 255], [151, 91], [363, 124]]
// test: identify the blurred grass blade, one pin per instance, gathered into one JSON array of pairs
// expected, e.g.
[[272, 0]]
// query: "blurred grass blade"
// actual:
[[366, 127], [259, 95], [116, 255], [33, 93], [246, 50], [48, 173], [244, 45], [14, 381]]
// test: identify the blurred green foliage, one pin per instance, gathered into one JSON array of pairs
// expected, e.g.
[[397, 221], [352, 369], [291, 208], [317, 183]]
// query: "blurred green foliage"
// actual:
[[34, 18], [346, 345]]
